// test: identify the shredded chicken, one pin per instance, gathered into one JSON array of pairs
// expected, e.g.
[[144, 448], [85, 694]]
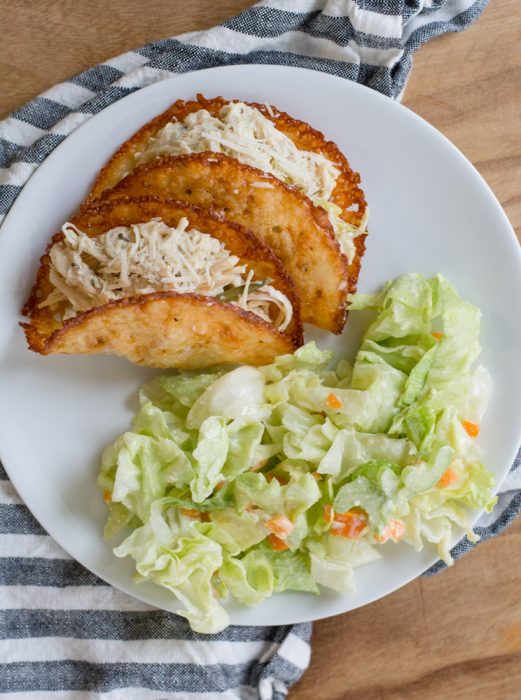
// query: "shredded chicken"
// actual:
[[245, 133], [258, 302], [150, 257]]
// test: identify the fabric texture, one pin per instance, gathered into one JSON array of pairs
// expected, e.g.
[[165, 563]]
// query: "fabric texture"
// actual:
[[64, 633]]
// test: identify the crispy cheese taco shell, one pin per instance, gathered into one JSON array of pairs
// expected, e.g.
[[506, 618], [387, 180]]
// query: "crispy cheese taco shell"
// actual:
[[165, 329], [347, 193], [298, 232]]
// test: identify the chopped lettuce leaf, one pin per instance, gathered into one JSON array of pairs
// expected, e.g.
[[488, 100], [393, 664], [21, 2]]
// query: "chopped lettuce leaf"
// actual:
[[138, 469], [244, 438], [292, 572], [287, 477], [177, 392], [235, 394], [362, 493], [249, 579], [333, 560], [241, 530], [424, 475], [209, 456], [182, 563], [291, 499]]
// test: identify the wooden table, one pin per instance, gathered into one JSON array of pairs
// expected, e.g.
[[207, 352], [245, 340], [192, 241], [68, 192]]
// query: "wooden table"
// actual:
[[455, 636]]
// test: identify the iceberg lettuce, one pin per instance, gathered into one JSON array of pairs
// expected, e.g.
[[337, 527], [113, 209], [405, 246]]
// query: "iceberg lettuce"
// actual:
[[259, 480]]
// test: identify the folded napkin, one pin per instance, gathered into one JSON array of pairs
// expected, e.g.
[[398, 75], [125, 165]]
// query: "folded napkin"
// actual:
[[64, 633]]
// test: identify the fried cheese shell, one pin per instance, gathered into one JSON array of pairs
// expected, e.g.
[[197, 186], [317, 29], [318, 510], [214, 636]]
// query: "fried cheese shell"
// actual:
[[165, 329]]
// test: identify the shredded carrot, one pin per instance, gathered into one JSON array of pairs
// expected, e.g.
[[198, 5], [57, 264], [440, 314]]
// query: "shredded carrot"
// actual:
[[394, 530], [350, 524], [205, 517], [471, 428], [447, 478], [107, 496], [259, 465], [334, 402], [437, 335], [277, 544], [316, 476], [189, 512], [347, 517], [219, 486], [280, 525]]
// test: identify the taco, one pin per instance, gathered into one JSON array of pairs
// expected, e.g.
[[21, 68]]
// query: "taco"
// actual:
[[262, 137], [298, 232], [164, 284]]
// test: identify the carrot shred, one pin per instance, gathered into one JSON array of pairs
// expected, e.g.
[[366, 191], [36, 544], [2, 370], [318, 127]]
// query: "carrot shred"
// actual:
[[276, 543], [447, 478], [437, 335], [316, 476], [107, 496], [348, 516], [280, 525], [189, 512], [471, 428], [219, 486], [334, 402], [394, 530], [350, 524]]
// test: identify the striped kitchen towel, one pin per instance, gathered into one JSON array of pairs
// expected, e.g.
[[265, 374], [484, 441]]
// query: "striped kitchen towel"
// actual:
[[64, 633]]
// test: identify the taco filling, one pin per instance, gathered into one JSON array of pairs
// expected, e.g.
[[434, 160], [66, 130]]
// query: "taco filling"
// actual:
[[144, 258], [242, 132]]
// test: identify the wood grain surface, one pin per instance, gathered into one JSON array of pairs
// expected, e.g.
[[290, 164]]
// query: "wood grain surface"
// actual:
[[455, 636]]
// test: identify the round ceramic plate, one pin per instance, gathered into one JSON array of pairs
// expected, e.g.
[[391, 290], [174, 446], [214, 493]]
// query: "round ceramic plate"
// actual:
[[430, 212]]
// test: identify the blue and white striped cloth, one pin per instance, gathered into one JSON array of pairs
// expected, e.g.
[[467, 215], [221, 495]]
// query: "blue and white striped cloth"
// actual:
[[63, 632]]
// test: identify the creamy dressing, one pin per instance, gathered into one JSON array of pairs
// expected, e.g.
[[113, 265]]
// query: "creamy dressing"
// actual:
[[244, 133], [152, 257]]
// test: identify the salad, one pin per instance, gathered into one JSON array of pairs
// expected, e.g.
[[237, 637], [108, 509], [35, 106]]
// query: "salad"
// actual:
[[254, 481]]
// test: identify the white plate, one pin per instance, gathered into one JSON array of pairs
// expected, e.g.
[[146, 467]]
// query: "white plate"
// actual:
[[430, 212]]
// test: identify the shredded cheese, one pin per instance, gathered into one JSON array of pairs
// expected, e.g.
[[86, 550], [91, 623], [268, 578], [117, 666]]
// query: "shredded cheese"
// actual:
[[243, 132], [150, 257]]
